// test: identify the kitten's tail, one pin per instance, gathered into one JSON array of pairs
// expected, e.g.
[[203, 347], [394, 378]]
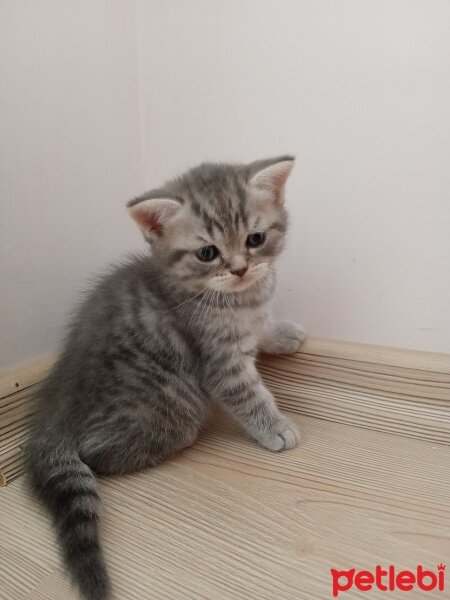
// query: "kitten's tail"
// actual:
[[67, 487]]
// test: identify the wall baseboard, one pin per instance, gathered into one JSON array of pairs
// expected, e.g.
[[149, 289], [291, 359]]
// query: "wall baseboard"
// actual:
[[398, 391]]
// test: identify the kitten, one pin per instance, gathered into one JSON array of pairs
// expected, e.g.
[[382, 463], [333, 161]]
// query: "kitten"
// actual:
[[156, 340]]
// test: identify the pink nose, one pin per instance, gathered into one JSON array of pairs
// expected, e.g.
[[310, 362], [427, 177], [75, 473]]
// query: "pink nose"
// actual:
[[239, 272]]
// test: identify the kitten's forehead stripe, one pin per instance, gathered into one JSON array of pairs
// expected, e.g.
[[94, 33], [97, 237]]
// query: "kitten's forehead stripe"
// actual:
[[208, 223], [243, 215], [218, 225], [240, 192], [196, 207]]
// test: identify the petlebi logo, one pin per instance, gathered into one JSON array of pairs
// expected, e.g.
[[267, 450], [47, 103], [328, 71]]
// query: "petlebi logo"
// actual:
[[388, 580]]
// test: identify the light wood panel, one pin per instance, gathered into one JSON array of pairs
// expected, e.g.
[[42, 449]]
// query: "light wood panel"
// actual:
[[22, 377], [227, 520], [16, 413], [382, 355], [399, 391], [16, 389]]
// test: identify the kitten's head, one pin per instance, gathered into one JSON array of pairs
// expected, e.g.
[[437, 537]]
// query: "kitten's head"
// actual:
[[218, 226]]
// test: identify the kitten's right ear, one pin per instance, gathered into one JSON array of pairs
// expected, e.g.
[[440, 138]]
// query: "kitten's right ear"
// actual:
[[271, 175], [153, 214]]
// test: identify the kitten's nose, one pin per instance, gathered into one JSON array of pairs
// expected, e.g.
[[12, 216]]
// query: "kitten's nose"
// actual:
[[239, 272]]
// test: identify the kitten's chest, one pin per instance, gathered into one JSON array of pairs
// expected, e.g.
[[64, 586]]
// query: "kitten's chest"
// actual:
[[235, 330], [244, 320]]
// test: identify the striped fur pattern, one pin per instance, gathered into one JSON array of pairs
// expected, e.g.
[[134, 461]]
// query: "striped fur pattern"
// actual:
[[157, 340]]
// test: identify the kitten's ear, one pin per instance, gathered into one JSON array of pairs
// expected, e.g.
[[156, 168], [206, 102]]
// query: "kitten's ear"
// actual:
[[271, 175], [152, 214]]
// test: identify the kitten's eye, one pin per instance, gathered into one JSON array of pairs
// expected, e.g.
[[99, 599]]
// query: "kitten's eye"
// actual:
[[255, 239], [207, 253]]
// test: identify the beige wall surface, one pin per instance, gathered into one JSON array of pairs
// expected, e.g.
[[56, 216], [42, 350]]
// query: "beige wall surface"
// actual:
[[70, 157], [101, 99]]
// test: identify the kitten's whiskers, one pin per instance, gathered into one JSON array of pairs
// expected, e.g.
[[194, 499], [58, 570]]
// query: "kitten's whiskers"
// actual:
[[185, 301]]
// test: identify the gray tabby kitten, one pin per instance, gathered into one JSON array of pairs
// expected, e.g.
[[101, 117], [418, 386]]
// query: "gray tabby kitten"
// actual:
[[156, 340]]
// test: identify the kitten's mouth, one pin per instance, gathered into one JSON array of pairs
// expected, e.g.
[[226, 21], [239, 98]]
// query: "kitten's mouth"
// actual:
[[242, 283]]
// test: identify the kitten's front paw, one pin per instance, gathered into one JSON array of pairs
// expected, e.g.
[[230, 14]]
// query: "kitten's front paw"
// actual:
[[287, 338], [283, 436]]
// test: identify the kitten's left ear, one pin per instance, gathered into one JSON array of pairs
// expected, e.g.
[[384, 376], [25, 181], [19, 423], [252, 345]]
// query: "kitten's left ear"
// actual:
[[271, 175]]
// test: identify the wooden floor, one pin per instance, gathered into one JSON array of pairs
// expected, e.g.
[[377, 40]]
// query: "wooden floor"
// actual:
[[228, 520]]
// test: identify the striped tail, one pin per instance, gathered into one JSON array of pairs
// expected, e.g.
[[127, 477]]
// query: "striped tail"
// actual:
[[67, 487]]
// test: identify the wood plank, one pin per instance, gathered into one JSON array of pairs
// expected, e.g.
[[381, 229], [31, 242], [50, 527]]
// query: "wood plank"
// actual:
[[227, 520], [381, 355], [384, 389], [361, 375], [23, 377], [16, 413]]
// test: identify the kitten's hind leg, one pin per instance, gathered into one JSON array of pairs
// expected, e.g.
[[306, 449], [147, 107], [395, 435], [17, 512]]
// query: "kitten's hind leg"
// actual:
[[132, 452], [134, 441]]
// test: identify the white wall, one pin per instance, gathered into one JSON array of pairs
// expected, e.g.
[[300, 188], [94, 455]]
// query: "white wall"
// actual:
[[70, 158], [360, 92]]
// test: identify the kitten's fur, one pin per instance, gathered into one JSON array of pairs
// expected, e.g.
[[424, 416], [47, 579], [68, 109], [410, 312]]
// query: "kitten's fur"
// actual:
[[156, 340]]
